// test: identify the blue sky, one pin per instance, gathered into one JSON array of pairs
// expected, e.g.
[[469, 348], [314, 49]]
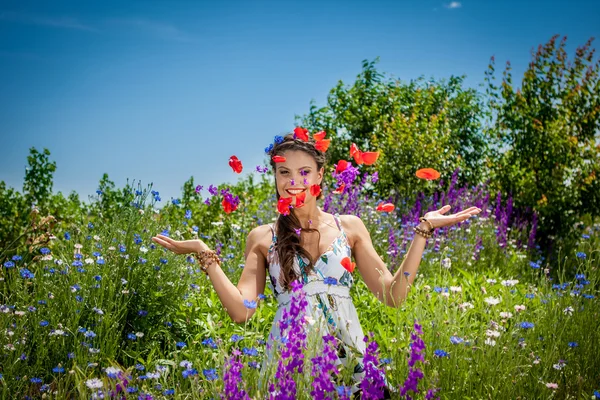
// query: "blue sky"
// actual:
[[161, 91]]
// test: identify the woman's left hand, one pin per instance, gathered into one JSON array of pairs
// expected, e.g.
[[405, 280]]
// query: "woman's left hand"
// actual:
[[439, 220]]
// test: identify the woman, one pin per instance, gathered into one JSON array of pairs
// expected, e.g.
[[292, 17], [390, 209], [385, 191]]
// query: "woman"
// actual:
[[309, 244]]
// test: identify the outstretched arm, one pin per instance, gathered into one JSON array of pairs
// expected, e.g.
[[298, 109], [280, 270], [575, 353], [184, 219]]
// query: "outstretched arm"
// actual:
[[390, 289]]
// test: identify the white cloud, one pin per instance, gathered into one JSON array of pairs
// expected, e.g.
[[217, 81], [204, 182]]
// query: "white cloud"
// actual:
[[454, 4]]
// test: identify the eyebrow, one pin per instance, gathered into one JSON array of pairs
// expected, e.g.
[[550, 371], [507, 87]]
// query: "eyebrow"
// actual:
[[305, 167]]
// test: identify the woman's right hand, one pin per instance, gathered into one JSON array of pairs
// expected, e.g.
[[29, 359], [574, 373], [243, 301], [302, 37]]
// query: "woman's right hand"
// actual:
[[180, 246]]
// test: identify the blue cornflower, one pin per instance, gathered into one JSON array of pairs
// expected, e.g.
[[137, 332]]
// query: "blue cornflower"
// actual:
[[573, 344], [344, 391], [26, 274], [534, 265], [330, 280], [585, 236], [526, 325], [77, 263], [142, 313], [99, 192], [79, 298], [131, 336], [9, 264], [90, 225], [98, 277], [163, 260], [44, 323], [210, 374], [589, 296], [250, 351], [386, 360], [581, 254], [250, 304], [597, 394], [169, 392], [100, 261], [210, 343], [45, 250], [181, 345], [456, 340], [36, 380], [269, 148], [17, 258], [81, 330], [139, 367], [58, 369], [253, 364], [176, 201], [530, 295], [132, 389], [189, 372], [67, 236], [262, 296], [71, 356], [236, 338], [90, 334], [278, 139], [188, 214], [580, 276], [440, 353]]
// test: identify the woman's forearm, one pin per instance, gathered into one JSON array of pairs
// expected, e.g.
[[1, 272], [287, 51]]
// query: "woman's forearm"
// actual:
[[228, 293], [407, 272]]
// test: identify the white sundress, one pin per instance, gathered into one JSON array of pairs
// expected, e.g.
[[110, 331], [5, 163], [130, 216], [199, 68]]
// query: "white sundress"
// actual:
[[330, 303]]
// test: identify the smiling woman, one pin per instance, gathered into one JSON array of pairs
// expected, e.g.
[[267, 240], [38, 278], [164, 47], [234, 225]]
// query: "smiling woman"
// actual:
[[314, 248]]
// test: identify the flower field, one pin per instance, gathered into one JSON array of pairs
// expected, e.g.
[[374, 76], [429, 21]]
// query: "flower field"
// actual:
[[96, 310]]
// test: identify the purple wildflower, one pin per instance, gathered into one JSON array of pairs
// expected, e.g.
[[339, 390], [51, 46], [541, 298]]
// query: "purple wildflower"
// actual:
[[323, 366], [232, 377], [373, 382], [417, 348]]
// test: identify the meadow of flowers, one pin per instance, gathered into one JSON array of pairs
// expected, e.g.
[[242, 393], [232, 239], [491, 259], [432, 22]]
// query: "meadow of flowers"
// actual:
[[99, 311]]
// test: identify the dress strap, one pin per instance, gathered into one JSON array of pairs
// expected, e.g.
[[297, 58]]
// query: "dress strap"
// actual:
[[336, 216], [273, 231]]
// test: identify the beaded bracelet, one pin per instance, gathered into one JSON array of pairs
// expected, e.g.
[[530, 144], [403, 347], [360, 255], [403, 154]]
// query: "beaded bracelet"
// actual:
[[430, 224], [207, 255], [423, 233]]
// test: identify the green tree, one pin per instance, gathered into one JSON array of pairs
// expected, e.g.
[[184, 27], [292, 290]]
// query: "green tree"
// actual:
[[38, 183], [546, 147], [414, 125]]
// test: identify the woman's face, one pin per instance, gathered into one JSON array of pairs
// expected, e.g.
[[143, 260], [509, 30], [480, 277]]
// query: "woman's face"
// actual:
[[297, 174]]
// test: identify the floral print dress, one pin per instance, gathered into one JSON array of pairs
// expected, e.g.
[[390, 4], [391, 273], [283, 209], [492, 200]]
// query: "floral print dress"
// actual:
[[329, 302]]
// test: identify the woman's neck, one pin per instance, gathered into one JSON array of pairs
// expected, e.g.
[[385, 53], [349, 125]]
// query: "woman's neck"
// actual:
[[309, 217]]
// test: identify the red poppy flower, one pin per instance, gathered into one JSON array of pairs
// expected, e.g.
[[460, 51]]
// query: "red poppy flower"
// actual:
[[278, 159], [340, 189], [301, 133], [319, 135], [235, 164], [283, 205], [228, 207], [315, 190], [341, 166], [367, 157], [323, 145], [348, 264], [427, 173], [385, 207], [300, 197]]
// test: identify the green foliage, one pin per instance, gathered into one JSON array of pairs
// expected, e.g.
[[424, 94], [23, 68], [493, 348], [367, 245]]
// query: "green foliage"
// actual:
[[38, 183], [420, 124], [546, 150]]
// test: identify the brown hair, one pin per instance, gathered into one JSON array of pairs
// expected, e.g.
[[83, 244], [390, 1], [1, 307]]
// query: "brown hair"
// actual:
[[288, 242]]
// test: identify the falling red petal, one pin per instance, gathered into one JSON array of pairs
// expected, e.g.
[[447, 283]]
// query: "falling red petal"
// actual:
[[427, 173], [315, 190], [301, 133], [283, 205], [369, 157], [340, 189], [278, 159], [300, 197], [348, 264], [319, 135], [323, 145], [341, 166], [235, 164], [385, 207], [353, 149]]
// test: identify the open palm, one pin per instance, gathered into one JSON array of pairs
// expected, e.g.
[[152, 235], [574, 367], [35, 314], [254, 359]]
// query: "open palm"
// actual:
[[439, 220]]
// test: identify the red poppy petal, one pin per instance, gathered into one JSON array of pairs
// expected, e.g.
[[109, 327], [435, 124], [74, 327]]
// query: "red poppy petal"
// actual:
[[369, 157], [353, 149], [348, 264], [341, 166], [278, 159], [300, 197], [323, 145], [319, 135], [340, 189], [315, 190], [358, 157], [427, 173], [301, 133], [385, 207], [283, 205]]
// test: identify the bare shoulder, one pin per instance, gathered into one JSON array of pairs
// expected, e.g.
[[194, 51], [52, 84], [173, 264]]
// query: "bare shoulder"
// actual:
[[354, 227], [259, 239]]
